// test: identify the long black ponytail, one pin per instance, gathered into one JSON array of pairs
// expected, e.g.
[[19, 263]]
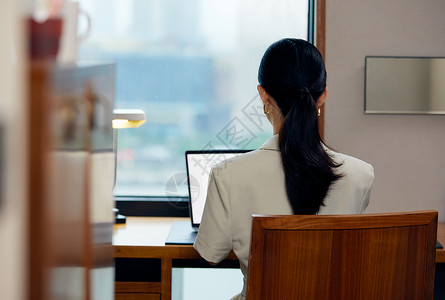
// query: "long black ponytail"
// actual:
[[292, 71]]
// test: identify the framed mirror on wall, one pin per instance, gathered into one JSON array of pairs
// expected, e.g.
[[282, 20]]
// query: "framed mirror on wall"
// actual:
[[404, 85]]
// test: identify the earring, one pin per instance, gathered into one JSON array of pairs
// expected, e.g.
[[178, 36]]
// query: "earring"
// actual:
[[319, 111], [264, 109]]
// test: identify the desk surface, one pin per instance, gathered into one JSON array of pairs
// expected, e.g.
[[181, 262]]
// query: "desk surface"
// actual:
[[145, 237]]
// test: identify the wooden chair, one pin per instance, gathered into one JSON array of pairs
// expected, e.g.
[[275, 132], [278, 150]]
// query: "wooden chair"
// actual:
[[374, 256]]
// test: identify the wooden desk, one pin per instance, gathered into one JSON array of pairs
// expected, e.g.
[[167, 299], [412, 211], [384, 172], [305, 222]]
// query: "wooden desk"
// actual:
[[144, 238]]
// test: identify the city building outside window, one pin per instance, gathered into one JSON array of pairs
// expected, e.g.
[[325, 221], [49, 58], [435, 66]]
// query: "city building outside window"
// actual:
[[192, 67]]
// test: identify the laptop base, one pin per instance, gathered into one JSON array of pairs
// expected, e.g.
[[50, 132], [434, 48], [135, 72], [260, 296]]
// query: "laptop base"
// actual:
[[181, 233]]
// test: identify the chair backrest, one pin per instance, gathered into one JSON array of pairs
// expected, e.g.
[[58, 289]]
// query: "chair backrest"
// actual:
[[373, 256]]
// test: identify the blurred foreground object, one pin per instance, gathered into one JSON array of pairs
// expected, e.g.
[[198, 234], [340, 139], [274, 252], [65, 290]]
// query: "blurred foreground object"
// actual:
[[71, 181], [45, 28], [71, 37], [44, 38]]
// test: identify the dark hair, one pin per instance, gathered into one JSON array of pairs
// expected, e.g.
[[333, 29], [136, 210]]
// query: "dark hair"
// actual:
[[292, 71]]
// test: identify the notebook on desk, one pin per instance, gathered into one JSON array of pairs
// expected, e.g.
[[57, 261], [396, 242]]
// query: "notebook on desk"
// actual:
[[198, 165]]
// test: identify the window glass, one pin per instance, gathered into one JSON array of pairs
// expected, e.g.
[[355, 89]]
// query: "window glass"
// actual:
[[192, 67]]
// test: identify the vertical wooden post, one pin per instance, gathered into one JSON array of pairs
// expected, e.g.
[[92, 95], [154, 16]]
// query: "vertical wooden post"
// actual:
[[166, 278], [38, 141], [320, 43]]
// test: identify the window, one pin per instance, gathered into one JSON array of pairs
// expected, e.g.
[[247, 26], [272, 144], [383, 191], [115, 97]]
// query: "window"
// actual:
[[192, 67]]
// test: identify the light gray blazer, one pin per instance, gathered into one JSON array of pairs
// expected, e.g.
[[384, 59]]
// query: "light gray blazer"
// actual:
[[254, 183]]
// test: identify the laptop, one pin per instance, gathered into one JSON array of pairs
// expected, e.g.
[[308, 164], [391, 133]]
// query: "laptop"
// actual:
[[198, 165]]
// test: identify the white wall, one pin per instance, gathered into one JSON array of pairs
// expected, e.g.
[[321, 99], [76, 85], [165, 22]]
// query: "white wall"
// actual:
[[13, 164], [407, 151]]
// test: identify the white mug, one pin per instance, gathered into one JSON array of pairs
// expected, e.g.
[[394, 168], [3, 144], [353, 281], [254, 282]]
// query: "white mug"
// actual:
[[70, 36]]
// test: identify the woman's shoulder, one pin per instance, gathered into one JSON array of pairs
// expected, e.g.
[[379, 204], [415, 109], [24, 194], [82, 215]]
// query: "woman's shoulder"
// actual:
[[237, 161], [266, 151], [350, 164], [248, 163]]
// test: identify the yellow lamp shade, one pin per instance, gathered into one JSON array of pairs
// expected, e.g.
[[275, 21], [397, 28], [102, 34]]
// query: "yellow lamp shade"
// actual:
[[128, 118]]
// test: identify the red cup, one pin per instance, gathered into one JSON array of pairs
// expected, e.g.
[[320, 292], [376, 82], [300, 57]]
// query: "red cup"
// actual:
[[44, 38]]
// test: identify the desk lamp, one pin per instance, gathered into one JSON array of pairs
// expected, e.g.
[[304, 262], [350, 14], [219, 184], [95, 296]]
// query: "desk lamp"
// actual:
[[124, 118]]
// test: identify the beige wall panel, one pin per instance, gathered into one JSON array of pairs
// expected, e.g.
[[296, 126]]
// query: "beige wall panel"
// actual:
[[407, 151]]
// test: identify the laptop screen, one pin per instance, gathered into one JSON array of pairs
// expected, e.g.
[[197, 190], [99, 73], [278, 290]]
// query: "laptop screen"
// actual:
[[199, 165]]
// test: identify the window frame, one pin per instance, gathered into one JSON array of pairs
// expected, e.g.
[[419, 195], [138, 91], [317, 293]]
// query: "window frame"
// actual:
[[163, 206]]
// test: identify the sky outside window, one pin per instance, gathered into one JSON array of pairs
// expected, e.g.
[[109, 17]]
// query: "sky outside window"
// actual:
[[192, 67]]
